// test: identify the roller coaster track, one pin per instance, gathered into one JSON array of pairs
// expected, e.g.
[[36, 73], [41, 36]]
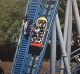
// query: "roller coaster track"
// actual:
[[51, 23], [22, 58], [24, 61]]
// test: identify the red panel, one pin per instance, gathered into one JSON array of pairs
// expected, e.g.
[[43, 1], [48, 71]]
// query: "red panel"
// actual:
[[36, 44]]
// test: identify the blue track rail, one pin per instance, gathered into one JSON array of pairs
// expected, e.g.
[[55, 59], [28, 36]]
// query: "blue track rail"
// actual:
[[34, 10], [22, 57], [51, 19], [51, 23], [39, 13]]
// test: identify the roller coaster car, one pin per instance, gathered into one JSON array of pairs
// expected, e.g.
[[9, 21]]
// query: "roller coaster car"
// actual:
[[39, 33]]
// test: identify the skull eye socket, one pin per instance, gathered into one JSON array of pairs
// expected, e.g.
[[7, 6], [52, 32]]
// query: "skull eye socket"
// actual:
[[41, 21]]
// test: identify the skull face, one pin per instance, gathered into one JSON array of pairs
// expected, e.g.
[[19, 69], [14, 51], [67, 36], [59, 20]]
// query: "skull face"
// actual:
[[41, 22]]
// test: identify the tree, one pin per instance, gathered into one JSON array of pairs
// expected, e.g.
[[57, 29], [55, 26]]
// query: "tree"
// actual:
[[11, 13]]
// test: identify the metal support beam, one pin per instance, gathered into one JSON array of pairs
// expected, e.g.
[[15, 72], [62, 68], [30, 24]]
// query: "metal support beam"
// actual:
[[76, 13], [28, 2], [65, 31], [53, 50], [69, 32], [64, 54], [66, 21]]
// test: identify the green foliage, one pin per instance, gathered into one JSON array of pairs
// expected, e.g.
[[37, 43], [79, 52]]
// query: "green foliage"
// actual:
[[11, 13]]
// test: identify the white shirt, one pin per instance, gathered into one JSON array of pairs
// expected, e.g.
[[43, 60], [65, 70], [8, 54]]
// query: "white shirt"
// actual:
[[25, 24]]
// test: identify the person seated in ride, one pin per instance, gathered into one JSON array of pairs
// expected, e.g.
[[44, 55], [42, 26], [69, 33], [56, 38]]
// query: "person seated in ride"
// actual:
[[41, 35], [36, 31]]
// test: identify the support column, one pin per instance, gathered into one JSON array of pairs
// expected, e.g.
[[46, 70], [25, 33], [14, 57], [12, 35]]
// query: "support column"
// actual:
[[64, 54], [53, 50], [65, 31], [76, 13], [66, 21], [69, 32], [28, 2]]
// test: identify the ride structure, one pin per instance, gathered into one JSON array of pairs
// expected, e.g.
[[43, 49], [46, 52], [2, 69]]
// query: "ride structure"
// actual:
[[26, 62]]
